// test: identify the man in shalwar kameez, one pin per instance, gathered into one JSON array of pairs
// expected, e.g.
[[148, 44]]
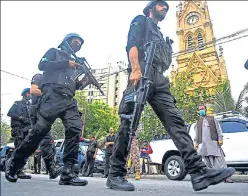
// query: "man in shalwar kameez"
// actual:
[[208, 140]]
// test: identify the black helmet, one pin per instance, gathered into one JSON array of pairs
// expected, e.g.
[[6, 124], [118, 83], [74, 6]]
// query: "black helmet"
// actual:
[[25, 90], [151, 4], [71, 35]]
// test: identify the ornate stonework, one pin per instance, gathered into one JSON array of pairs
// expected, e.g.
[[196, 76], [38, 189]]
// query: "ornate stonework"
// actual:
[[194, 30]]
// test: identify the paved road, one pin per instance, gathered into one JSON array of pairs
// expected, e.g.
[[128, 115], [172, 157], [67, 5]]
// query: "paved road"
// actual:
[[39, 185]]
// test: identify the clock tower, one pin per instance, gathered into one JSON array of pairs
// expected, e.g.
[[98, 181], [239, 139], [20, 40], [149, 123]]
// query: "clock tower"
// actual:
[[199, 55]]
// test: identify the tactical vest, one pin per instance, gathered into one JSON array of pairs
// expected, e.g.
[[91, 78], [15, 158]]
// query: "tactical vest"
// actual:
[[61, 77], [18, 109], [212, 126], [163, 53]]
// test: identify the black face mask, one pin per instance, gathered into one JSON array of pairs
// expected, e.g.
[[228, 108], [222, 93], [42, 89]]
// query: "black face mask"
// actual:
[[158, 14], [27, 97], [75, 47]]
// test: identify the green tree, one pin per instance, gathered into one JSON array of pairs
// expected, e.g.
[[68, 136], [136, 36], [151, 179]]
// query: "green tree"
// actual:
[[224, 101], [99, 117], [5, 133], [188, 102], [58, 130], [151, 125]]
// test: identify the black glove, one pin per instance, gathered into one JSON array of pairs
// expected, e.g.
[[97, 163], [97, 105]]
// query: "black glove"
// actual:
[[24, 119], [26, 129]]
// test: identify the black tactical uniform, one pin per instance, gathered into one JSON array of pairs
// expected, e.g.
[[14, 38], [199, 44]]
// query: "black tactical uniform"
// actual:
[[20, 123], [46, 145], [108, 153], [90, 160], [143, 30], [58, 90]]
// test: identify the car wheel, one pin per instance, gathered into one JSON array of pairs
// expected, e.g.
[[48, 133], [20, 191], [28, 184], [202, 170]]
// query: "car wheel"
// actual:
[[174, 168]]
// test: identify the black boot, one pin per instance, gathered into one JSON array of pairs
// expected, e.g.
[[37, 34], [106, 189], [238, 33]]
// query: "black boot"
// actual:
[[22, 175], [11, 171], [52, 170], [68, 177], [55, 172], [206, 177], [119, 183]]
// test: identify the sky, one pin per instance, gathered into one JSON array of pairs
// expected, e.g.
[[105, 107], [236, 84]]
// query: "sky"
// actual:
[[30, 28]]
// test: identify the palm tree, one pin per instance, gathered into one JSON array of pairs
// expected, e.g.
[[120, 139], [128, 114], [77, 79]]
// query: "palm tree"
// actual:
[[224, 101], [246, 108]]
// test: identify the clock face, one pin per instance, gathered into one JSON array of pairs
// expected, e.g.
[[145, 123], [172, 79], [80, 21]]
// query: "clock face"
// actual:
[[192, 18]]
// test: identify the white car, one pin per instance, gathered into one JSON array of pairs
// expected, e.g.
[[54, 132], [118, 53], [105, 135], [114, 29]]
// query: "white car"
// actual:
[[235, 147]]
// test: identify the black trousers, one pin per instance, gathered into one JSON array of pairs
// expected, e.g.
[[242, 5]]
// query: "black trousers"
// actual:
[[107, 163], [89, 164], [163, 103], [37, 162], [52, 105], [19, 134], [48, 152], [46, 145]]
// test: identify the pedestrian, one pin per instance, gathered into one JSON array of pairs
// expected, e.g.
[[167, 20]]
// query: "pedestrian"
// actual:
[[144, 29], [109, 142], [20, 124], [37, 161], [144, 157], [90, 157], [208, 141], [58, 90], [135, 154]]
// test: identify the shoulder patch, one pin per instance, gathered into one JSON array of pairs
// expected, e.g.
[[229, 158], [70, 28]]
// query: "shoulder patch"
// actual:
[[134, 23], [140, 19], [44, 59]]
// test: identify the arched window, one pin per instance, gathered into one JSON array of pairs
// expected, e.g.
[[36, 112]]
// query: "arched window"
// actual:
[[190, 43], [200, 42]]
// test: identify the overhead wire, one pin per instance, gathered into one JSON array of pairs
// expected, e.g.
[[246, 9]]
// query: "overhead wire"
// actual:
[[15, 75]]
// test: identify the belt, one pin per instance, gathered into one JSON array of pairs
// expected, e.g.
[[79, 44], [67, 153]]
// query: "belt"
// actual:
[[50, 88]]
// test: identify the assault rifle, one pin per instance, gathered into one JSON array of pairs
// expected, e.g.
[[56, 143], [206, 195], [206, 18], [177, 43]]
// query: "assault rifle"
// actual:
[[169, 42], [29, 115], [84, 68], [140, 95]]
